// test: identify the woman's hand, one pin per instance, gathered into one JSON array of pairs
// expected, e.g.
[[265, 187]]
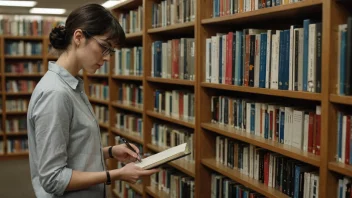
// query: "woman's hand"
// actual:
[[123, 154], [131, 173]]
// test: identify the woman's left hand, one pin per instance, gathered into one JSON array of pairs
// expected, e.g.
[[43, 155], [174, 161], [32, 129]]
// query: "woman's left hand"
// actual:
[[123, 154]]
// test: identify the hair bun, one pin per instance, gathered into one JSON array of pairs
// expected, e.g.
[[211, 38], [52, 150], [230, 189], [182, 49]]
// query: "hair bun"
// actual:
[[58, 37]]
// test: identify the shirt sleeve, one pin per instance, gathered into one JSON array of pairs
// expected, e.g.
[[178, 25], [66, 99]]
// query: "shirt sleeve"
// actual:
[[51, 117]]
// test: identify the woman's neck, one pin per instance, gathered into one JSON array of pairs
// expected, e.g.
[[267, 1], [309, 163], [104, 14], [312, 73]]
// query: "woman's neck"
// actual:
[[69, 62]]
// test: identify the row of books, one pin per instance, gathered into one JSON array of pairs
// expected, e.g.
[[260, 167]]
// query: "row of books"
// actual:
[[16, 125], [129, 61], [23, 48], [118, 140], [104, 69], [344, 60], [17, 145], [292, 126], [174, 59], [173, 183], [28, 67], [130, 123], [222, 186], [167, 136], [132, 21], [344, 188], [344, 138], [131, 94], [277, 59], [17, 105], [16, 86], [28, 25], [229, 7], [170, 12], [99, 91], [101, 112], [176, 103], [272, 169]]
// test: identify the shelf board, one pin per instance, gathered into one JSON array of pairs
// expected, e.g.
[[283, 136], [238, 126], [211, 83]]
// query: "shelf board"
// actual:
[[98, 75], [95, 100], [120, 105], [17, 154], [128, 135], [23, 75], [127, 77], [52, 57], [156, 193], [104, 125], [14, 134], [264, 91], [135, 36], [347, 100], [276, 147], [180, 164], [341, 168], [176, 28], [243, 179], [293, 9], [162, 116], [127, 5], [10, 37], [171, 81], [18, 93], [136, 187], [32, 57], [114, 192], [16, 112]]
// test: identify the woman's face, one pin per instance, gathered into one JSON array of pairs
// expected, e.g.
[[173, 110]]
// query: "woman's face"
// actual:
[[95, 51]]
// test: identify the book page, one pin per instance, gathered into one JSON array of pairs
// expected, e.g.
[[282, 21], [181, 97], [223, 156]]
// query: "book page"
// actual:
[[163, 156]]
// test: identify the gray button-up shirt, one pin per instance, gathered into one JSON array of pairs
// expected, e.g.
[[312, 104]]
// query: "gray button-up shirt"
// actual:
[[63, 135]]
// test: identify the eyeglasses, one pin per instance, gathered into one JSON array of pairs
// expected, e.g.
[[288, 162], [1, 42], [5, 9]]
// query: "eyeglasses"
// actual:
[[106, 50]]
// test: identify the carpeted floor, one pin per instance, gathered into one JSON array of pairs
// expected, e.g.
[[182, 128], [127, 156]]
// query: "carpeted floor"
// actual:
[[15, 180]]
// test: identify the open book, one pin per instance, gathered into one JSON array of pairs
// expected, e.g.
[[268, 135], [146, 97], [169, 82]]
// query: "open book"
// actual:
[[164, 156]]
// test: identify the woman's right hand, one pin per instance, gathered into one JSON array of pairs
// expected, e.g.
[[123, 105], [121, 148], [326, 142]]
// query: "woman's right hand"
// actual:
[[131, 173]]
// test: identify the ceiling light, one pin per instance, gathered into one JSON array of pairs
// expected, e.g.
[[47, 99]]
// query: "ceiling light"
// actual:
[[18, 3], [47, 11], [111, 3]]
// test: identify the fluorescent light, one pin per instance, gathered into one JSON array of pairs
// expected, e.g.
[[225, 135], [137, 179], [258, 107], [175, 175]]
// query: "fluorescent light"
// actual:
[[111, 3], [18, 3], [47, 11]]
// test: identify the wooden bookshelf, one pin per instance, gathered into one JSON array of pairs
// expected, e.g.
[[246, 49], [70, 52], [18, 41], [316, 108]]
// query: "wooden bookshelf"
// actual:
[[19, 57], [28, 38], [270, 145], [173, 29], [104, 125], [171, 119], [343, 169], [18, 93], [98, 75], [134, 36], [127, 135], [136, 187], [120, 105], [114, 193], [23, 75], [125, 77], [180, 164], [16, 112], [156, 193], [15, 134], [100, 101], [347, 100], [171, 81], [263, 91], [243, 179], [127, 5]]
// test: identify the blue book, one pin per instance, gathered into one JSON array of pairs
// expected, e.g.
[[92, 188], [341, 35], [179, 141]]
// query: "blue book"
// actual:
[[305, 52], [266, 126], [220, 59], [282, 126], [262, 67], [282, 55], [252, 118]]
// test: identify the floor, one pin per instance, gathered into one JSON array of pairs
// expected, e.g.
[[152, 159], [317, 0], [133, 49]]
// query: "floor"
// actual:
[[15, 180]]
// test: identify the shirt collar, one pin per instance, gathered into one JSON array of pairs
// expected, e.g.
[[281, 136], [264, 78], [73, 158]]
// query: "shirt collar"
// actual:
[[64, 74]]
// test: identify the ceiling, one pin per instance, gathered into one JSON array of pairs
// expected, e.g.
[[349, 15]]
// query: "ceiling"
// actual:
[[69, 5]]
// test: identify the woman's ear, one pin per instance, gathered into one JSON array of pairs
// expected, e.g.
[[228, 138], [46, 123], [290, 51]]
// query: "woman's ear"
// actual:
[[78, 38]]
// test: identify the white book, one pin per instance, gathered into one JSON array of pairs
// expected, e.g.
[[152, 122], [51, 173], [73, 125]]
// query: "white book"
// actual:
[[275, 61], [248, 117], [169, 59], [305, 132], [298, 125], [214, 59], [257, 118], [207, 57], [164, 60], [312, 58], [344, 123]]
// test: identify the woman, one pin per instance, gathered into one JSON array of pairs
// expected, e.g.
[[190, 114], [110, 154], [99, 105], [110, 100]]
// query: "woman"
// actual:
[[66, 157]]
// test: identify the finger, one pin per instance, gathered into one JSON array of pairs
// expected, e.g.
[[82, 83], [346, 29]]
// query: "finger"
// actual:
[[135, 148], [149, 172], [129, 152]]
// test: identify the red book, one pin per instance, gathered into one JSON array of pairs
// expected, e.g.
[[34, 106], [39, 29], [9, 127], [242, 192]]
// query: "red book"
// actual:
[[246, 59], [180, 104], [318, 130], [175, 57], [311, 132], [266, 168]]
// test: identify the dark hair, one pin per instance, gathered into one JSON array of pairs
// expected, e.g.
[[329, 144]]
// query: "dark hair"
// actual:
[[92, 18]]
